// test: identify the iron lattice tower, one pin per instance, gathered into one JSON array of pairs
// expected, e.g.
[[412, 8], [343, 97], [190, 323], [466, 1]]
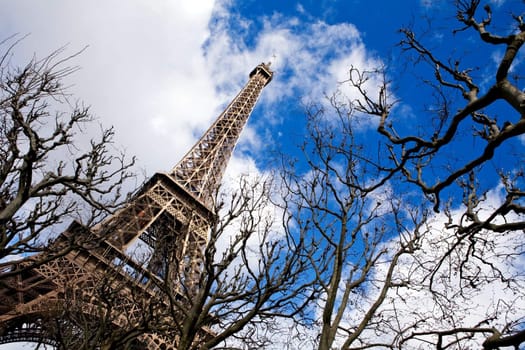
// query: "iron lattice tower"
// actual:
[[171, 214]]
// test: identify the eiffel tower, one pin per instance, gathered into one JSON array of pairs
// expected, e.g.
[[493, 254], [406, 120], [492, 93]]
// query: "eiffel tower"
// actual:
[[170, 215]]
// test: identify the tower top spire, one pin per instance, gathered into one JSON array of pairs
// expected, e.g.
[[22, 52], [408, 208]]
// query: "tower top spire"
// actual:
[[200, 171], [264, 69]]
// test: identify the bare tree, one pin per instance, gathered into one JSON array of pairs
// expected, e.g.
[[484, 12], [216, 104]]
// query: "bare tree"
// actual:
[[357, 230], [251, 274], [414, 155], [258, 274], [360, 250], [47, 175], [470, 133]]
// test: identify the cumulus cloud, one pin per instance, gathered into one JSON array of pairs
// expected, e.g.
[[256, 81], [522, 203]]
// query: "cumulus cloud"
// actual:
[[469, 286], [141, 71], [309, 58], [161, 72]]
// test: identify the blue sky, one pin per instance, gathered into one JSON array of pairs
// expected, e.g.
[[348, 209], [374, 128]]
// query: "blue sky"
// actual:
[[161, 71]]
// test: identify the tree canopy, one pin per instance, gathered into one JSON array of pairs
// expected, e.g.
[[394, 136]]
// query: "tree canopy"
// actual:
[[419, 225]]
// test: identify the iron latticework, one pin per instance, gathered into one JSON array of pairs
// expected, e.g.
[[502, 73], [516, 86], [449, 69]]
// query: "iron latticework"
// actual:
[[201, 170], [171, 214]]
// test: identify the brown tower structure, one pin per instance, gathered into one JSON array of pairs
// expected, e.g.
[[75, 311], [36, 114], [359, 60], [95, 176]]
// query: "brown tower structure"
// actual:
[[170, 214]]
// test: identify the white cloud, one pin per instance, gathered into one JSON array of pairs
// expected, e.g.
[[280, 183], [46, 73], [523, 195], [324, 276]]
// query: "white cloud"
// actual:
[[459, 303], [143, 71], [309, 59], [497, 3]]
